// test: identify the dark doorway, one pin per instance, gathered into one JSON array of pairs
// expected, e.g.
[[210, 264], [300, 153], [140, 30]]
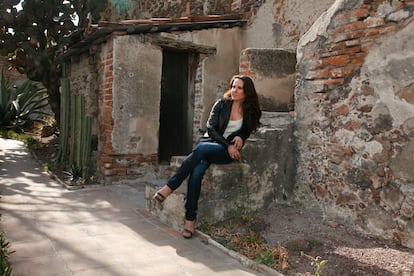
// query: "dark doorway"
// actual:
[[176, 108]]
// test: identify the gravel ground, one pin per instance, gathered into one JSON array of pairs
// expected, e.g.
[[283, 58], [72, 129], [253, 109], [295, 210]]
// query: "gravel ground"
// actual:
[[306, 235]]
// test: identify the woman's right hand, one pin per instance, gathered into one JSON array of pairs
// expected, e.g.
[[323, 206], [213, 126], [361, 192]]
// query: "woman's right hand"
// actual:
[[234, 152]]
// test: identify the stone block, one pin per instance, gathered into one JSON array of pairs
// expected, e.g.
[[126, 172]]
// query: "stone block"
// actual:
[[265, 174], [171, 211]]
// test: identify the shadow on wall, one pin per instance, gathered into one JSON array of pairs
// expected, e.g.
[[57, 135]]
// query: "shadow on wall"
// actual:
[[274, 73]]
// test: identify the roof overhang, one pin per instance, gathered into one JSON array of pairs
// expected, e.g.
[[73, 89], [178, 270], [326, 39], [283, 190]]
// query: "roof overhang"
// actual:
[[81, 40]]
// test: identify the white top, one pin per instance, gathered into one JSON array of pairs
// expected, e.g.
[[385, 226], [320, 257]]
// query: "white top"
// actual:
[[232, 126]]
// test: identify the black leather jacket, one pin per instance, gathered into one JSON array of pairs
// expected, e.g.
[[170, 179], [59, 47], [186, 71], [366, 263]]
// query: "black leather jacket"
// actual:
[[217, 123]]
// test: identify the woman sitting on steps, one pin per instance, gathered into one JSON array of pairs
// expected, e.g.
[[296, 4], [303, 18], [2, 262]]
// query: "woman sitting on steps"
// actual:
[[231, 121]]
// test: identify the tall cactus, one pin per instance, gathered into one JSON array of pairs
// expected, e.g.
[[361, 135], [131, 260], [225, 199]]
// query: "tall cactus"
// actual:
[[86, 149], [73, 113], [80, 133], [64, 119], [74, 124]]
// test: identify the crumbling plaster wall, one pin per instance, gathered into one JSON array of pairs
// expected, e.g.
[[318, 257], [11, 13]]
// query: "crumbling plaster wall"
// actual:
[[272, 24], [83, 81], [355, 114], [280, 23], [215, 70], [274, 74], [136, 96]]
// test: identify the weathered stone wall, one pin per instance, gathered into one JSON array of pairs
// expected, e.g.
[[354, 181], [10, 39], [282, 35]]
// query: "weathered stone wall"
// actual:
[[213, 71], [355, 114], [121, 81], [280, 23], [136, 111], [115, 10], [129, 107], [274, 75], [271, 24], [83, 81], [259, 179]]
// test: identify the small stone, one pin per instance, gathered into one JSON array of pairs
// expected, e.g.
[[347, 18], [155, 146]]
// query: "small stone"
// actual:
[[333, 224]]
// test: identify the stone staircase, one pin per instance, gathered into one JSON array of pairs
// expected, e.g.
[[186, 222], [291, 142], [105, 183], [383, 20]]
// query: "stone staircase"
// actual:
[[265, 174]]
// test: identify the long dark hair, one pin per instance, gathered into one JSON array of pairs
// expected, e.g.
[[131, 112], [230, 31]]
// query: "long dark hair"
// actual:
[[251, 106]]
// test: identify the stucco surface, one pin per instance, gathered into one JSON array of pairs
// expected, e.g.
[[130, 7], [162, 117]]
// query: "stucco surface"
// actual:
[[136, 96], [217, 69], [354, 131], [280, 24], [390, 67]]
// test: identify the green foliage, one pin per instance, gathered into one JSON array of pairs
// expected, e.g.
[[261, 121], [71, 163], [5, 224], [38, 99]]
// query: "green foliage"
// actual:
[[75, 173], [253, 238], [11, 134], [206, 228], [34, 36], [6, 106], [318, 267], [316, 262], [5, 267], [21, 105], [265, 257]]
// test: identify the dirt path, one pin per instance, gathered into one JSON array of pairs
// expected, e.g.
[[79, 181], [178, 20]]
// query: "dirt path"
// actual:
[[347, 252], [300, 229]]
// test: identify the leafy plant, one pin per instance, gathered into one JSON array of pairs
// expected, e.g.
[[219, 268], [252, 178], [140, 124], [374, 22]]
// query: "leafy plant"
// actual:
[[21, 105], [317, 262], [6, 96], [11, 134], [35, 33], [265, 257], [5, 267], [30, 103], [74, 174]]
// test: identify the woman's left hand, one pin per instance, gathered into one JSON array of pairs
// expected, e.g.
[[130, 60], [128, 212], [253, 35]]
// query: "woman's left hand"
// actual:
[[237, 142]]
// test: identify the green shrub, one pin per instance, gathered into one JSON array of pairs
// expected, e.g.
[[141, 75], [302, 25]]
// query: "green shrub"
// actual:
[[11, 134], [5, 267], [22, 104]]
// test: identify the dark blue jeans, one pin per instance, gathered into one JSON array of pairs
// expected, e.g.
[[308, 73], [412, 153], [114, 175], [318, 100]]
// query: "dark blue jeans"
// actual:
[[195, 165]]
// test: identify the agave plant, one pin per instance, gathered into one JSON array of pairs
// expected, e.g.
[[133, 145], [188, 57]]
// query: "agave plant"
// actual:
[[6, 102], [22, 104]]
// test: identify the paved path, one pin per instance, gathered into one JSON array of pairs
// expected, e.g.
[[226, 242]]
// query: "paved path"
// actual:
[[94, 231]]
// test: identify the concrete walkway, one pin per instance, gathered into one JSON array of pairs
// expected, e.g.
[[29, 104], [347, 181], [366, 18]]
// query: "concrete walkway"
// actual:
[[93, 231]]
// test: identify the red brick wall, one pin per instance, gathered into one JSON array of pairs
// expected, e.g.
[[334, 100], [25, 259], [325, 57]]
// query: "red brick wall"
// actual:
[[349, 42], [112, 166], [244, 65]]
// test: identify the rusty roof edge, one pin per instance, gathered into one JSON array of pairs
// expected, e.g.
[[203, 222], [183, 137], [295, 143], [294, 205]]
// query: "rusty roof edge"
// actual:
[[99, 34]]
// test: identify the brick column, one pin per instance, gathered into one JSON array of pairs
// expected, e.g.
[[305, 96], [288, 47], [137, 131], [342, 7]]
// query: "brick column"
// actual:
[[244, 66], [106, 122]]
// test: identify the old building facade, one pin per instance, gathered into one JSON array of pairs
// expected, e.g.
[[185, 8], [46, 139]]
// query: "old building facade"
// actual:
[[353, 95]]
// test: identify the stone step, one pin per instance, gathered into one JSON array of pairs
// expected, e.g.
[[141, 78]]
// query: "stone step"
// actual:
[[223, 196]]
